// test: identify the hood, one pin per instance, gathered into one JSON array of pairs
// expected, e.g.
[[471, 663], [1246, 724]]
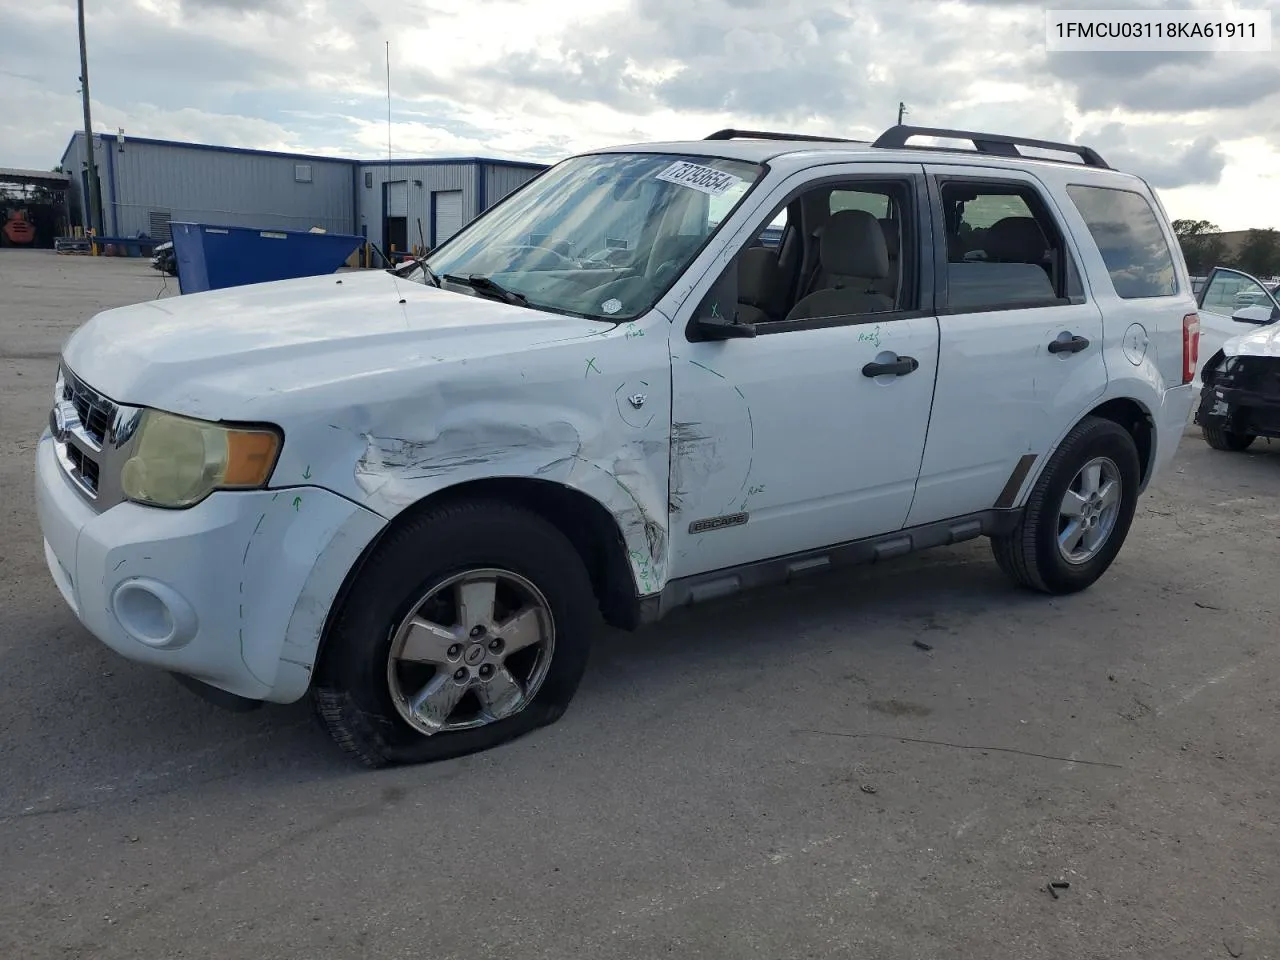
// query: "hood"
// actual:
[[1263, 342], [287, 335]]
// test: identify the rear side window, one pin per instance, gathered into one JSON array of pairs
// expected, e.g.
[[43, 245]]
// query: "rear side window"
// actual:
[[1129, 237], [1004, 248]]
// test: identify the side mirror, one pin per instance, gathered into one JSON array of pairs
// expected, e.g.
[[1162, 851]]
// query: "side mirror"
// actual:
[[717, 315], [1255, 314]]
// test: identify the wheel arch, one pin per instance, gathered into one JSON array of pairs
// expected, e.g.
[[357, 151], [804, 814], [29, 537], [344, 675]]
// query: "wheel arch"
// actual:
[[587, 523], [1128, 412], [1138, 421]]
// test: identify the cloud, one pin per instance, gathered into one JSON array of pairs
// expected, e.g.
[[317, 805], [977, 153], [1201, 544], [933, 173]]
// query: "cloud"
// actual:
[[533, 79]]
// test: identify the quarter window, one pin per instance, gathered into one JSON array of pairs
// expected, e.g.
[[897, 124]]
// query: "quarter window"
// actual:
[[1004, 249], [1129, 237]]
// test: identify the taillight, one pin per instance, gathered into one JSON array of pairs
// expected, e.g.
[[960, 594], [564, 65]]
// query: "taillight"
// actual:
[[1190, 346]]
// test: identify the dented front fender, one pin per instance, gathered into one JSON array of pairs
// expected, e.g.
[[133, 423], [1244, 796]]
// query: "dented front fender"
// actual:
[[592, 413]]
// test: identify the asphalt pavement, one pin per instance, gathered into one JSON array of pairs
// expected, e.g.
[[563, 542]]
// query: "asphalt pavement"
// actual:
[[779, 776]]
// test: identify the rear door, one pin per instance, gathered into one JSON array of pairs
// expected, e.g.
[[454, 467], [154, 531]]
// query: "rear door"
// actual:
[[1021, 343]]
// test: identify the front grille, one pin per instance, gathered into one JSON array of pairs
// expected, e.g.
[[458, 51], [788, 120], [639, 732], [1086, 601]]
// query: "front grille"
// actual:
[[83, 468], [88, 431], [95, 411], [1260, 375]]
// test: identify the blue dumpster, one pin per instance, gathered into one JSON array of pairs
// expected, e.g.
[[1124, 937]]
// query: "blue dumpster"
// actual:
[[211, 257]]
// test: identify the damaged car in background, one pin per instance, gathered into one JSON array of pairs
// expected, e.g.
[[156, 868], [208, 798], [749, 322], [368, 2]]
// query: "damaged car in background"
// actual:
[[415, 494], [1231, 303], [1240, 373], [1240, 400]]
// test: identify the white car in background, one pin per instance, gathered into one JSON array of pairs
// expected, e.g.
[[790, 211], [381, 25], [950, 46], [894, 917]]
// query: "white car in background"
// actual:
[[1231, 303]]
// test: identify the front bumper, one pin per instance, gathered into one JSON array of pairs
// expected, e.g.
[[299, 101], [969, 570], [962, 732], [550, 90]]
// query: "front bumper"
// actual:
[[234, 591], [1243, 396]]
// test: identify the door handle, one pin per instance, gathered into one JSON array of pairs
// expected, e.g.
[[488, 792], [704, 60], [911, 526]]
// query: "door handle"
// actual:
[[897, 368], [1074, 345]]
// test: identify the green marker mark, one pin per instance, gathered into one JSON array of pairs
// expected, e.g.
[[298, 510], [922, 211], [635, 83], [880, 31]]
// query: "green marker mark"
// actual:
[[297, 502], [306, 474], [591, 365], [871, 336]]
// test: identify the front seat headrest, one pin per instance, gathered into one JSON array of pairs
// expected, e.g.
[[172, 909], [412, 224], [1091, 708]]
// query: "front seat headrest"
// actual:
[[853, 245]]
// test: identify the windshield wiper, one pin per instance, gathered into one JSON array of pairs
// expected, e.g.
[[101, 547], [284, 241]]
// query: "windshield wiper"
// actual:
[[427, 272], [482, 284]]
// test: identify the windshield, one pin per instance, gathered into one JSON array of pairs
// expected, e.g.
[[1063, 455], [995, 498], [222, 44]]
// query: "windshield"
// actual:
[[602, 236]]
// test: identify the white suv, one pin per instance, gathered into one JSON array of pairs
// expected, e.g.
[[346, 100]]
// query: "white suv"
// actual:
[[414, 494]]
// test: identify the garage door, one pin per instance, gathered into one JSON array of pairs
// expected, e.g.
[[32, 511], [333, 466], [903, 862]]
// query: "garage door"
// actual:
[[398, 198], [448, 214]]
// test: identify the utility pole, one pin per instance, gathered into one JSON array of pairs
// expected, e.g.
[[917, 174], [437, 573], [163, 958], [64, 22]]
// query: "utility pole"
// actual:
[[902, 109], [388, 99], [95, 202]]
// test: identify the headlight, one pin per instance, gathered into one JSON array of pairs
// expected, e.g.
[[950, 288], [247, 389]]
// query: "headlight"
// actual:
[[177, 461]]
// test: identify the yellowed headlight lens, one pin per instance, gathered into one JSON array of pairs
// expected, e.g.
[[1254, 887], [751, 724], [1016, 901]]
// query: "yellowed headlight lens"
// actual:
[[180, 461]]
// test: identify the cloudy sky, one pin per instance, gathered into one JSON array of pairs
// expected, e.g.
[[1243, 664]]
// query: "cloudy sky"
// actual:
[[531, 79]]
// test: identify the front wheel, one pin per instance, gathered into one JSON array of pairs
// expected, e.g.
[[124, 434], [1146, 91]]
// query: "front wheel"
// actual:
[[1078, 514], [1221, 439], [467, 627]]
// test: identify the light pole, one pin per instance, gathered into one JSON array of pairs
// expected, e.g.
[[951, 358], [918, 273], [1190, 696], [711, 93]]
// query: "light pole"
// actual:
[[902, 109], [94, 202]]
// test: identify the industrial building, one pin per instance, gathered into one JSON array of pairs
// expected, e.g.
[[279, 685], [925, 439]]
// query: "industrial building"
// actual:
[[397, 204]]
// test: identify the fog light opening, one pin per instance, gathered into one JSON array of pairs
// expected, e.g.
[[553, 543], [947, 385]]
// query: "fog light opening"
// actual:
[[144, 615]]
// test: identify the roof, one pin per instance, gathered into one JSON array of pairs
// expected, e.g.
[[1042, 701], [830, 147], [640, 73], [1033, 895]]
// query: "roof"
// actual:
[[762, 147], [750, 151], [37, 178], [317, 158]]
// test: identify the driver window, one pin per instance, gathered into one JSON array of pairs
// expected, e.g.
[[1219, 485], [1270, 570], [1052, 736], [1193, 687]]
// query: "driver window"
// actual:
[[850, 263]]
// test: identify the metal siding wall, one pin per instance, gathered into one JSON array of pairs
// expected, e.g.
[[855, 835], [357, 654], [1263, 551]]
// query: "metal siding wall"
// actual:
[[433, 176], [501, 180], [73, 165], [236, 189]]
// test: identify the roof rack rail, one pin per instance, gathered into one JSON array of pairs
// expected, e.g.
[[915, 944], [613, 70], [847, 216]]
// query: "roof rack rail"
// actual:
[[991, 143], [731, 134]]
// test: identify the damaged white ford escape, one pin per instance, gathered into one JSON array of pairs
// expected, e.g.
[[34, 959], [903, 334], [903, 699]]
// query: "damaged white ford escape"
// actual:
[[654, 375]]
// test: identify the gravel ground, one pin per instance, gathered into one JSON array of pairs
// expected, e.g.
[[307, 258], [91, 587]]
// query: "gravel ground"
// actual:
[[777, 776]]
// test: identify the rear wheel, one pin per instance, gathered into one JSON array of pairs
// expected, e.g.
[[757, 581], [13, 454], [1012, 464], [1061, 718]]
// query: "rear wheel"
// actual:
[[1221, 439], [1078, 514], [468, 627]]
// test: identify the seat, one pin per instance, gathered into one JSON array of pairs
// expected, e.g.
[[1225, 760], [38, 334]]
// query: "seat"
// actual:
[[853, 256], [1016, 240], [892, 240], [761, 289], [670, 253]]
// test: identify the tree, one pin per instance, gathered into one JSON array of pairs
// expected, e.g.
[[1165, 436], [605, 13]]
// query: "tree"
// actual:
[[1260, 253], [1201, 243]]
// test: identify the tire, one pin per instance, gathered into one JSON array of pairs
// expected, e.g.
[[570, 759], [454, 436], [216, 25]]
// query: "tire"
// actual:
[[1030, 555], [1221, 439], [358, 686]]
